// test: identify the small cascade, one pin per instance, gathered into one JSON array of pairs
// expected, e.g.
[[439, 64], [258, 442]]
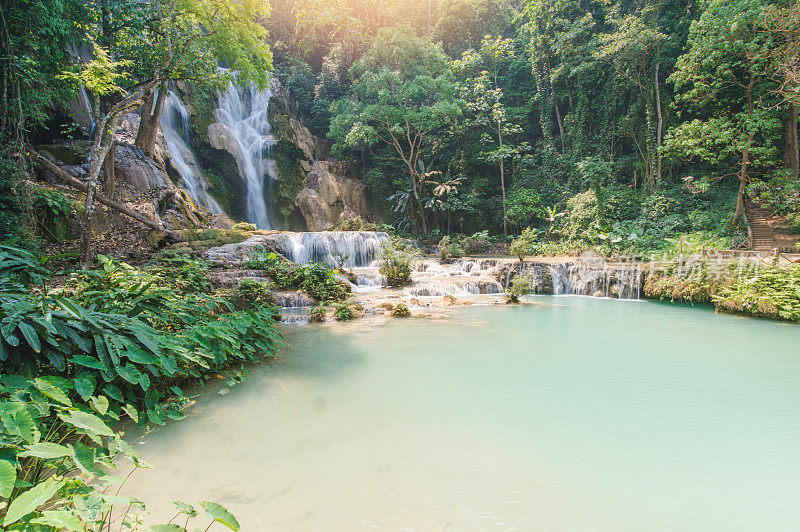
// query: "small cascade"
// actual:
[[244, 111], [597, 279], [293, 300], [175, 125], [355, 248]]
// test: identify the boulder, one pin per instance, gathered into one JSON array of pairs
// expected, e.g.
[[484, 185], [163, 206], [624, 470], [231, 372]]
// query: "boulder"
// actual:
[[134, 168], [328, 196]]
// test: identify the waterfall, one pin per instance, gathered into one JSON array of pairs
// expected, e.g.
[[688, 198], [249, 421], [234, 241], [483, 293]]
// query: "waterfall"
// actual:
[[362, 248], [175, 125], [597, 279], [244, 111]]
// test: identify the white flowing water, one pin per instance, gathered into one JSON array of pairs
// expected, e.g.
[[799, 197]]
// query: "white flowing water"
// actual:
[[603, 280], [353, 248], [175, 125], [245, 112]]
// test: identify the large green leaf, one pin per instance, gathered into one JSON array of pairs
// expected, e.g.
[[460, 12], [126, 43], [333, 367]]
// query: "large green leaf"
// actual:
[[220, 515], [31, 500], [19, 422], [61, 520], [84, 385], [100, 404], [88, 422], [31, 336], [52, 391], [84, 458], [87, 361], [46, 450], [8, 475]]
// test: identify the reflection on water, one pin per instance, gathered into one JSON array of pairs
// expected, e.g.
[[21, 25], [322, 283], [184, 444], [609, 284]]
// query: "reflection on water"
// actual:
[[574, 414]]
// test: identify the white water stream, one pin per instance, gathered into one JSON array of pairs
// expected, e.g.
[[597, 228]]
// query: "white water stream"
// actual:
[[175, 125], [245, 112]]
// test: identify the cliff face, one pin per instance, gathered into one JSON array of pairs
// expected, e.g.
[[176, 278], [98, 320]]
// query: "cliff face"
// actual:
[[310, 192]]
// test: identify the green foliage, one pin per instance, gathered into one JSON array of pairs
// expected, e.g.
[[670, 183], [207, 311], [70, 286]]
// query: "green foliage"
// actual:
[[59, 459], [773, 293], [344, 310], [397, 259], [126, 340], [317, 314], [450, 248], [523, 245], [317, 280], [244, 226], [477, 243], [521, 285], [52, 210], [401, 310], [253, 294]]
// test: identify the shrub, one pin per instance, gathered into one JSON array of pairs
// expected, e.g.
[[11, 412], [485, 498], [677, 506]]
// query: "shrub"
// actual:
[[401, 311], [520, 286], [773, 293], [477, 243], [253, 294], [524, 244], [397, 258], [449, 248], [317, 314], [344, 311], [317, 280]]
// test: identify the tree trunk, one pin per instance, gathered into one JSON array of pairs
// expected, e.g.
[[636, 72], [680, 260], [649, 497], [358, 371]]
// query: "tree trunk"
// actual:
[[557, 110], [502, 177], [80, 185], [791, 151], [743, 176], [109, 179], [660, 135], [150, 122]]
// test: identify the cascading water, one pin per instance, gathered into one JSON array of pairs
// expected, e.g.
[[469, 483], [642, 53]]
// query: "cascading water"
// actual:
[[244, 111], [361, 248], [175, 125], [599, 280]]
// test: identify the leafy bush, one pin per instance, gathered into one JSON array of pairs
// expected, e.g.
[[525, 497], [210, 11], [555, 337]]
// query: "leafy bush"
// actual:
[[110, 348], [477, 243], [401, 311], [59, 456], [523, 245], [449, 248], [397, 258], [317, 314], [773, 293], [317, 280], [344, 311], [520, 285], [253, 294]]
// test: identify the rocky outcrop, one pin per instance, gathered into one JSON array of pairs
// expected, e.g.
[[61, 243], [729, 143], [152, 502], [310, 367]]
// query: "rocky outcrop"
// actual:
[[328, 196]]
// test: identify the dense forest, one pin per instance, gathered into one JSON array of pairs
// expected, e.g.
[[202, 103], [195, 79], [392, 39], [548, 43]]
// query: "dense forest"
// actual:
[[638, 120]]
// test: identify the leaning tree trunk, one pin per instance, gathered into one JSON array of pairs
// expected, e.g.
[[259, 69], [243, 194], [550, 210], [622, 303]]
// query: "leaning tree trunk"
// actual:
[[150, 121]]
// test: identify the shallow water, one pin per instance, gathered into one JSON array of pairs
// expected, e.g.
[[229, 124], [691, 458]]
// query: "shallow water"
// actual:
[[567, 414]]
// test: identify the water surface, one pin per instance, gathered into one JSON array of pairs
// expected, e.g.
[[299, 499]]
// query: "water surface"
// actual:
[[566, 414]]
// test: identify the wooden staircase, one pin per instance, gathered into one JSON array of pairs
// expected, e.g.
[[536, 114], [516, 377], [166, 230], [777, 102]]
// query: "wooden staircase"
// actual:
[[768, 232]]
